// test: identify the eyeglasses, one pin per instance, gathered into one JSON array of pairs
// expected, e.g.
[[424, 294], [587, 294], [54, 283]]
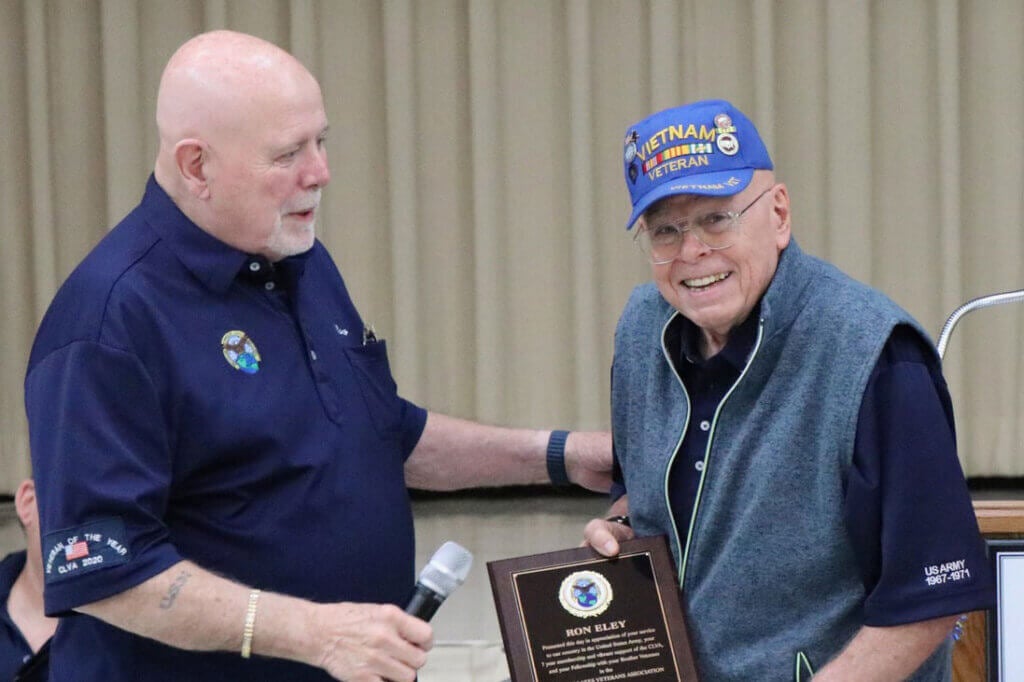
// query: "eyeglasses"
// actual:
[[715, 230]]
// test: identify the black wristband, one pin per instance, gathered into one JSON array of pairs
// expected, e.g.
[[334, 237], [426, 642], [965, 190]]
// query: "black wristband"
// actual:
[[556, 458], [623, 520]]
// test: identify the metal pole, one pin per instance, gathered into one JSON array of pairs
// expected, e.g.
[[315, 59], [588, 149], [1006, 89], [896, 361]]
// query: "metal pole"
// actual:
[[974, 304]]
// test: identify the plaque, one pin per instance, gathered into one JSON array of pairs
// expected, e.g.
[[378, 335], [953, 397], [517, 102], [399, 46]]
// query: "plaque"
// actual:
[[576, 616]]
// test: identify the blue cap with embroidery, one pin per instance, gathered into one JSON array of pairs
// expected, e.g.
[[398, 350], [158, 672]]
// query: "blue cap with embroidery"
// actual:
[[708, 147]]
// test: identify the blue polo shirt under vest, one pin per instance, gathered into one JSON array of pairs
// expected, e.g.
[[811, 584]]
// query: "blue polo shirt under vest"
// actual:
[[189, 401], [905, 493]]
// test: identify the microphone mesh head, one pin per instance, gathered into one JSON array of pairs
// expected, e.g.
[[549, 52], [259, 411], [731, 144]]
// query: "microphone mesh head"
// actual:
[[447, 569]]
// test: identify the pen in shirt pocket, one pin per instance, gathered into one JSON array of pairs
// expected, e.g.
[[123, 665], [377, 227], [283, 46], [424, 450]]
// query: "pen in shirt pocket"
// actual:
[[369, 336]]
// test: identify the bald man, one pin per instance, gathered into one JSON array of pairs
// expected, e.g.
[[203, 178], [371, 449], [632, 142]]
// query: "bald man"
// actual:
[[223, 457]]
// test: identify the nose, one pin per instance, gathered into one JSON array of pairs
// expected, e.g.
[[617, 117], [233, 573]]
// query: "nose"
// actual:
[[316, 172], [691, 248]]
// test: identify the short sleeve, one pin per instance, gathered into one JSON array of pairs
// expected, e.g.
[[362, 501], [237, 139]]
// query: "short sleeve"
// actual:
[[413, 421], [907, 508], [100, 455]]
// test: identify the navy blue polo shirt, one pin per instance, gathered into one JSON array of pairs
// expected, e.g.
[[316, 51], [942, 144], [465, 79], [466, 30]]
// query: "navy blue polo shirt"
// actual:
[[905, 492], [15, 653], [189, 401]]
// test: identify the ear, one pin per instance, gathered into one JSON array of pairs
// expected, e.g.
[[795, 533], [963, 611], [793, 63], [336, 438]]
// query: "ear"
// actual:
[[781, 215], [190, 158], [25, 503]]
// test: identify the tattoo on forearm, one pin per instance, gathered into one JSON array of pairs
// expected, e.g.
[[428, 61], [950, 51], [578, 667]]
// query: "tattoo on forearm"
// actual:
[[172, 592]]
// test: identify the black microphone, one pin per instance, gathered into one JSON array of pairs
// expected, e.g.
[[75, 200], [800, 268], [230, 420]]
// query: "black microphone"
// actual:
[[445, 571]]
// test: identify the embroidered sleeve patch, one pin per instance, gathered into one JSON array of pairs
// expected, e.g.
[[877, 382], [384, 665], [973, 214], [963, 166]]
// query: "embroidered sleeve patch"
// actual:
[[947, 572], [87, 548]]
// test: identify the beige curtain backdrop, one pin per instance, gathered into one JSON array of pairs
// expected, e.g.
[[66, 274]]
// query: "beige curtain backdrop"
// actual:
[[477, 202]]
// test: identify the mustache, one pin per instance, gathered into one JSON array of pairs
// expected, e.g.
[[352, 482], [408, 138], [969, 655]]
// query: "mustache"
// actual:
[[309, 203]]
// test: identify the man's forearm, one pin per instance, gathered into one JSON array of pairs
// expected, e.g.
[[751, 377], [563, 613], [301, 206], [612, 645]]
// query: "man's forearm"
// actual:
[[191, 608], [456, 453], [887, 653]]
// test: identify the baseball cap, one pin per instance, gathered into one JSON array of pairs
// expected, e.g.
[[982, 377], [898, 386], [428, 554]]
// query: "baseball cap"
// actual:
[[708, 147]]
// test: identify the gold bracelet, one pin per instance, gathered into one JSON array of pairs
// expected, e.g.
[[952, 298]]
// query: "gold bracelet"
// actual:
[[250, 623]]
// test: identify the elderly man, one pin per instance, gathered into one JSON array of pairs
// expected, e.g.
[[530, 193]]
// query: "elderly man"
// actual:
[[786, 427], [222, 456]]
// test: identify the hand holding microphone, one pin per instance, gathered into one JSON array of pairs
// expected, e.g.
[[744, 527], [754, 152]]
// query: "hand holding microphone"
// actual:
[[364, 642], [445, 571]]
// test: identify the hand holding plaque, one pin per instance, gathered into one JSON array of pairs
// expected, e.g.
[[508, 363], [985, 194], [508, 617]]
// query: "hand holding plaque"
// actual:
[[576, 616]]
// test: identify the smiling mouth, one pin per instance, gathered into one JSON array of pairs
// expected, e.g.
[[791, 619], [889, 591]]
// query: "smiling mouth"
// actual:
[[702, 283]]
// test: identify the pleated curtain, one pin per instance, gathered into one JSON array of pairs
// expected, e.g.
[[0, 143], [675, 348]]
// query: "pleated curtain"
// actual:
[[477, 205]]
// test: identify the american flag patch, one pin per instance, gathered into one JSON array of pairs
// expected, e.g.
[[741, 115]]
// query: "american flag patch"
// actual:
[[76, 551]]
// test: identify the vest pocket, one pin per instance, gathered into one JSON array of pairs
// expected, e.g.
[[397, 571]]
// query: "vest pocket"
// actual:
[[802, 670]]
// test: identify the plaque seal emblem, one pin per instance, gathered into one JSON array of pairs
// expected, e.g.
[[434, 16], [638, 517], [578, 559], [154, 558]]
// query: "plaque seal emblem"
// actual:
[[585, 594]]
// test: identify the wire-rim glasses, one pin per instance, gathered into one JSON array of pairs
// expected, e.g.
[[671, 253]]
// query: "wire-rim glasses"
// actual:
[[715, 230]]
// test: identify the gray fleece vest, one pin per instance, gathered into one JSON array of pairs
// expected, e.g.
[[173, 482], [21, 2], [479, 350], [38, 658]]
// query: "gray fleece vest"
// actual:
[[770, 584]]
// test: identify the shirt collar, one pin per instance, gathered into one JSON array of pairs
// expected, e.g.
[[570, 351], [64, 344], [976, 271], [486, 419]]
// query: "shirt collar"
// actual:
[[737, 348], [10, 568], [286, 272], [213, 262]]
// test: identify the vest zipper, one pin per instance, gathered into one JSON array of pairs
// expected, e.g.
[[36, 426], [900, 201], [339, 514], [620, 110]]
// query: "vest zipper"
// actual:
[[707, 450]]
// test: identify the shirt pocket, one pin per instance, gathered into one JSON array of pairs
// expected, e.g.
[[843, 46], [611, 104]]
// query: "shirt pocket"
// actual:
[[372, 373]]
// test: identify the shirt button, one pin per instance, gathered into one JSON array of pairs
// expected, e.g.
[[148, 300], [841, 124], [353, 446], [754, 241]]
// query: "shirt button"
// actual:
[[705, 425], [699, 465], [312, 354], [269, 286], [254, 266]]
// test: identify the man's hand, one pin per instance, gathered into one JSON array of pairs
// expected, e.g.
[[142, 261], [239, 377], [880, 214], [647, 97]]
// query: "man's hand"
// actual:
[[372, 642], [604, 535], [588, 459]]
